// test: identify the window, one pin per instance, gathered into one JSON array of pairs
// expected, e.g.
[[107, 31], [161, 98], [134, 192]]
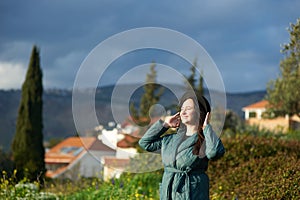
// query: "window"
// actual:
[[252, 115]]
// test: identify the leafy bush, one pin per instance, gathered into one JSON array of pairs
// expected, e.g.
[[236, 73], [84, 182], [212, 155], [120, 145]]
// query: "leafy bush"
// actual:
[[128, 186], [253, 167], [9, 189], [257, 168]]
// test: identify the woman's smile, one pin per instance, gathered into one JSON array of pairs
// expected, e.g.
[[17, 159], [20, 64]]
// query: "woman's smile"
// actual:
[[187, 112]]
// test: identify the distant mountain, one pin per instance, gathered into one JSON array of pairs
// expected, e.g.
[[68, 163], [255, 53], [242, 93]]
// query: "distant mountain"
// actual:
[[57, 109], [236, 101]]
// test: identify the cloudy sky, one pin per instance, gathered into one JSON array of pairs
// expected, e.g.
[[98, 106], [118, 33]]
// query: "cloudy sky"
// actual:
[[243, 37]]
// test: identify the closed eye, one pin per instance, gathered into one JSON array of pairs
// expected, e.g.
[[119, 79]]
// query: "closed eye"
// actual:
[[186, 108]]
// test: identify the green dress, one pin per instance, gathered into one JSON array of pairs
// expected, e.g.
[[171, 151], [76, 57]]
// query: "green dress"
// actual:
[[184, 173]]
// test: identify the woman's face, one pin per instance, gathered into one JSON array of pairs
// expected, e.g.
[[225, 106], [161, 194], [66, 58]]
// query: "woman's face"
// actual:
[[188, 114]]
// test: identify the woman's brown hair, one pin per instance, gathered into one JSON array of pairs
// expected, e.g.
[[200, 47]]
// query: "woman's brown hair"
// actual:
[[202, 107]]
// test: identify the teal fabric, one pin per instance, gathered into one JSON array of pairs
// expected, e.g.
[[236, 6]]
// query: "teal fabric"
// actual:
[[184, 173]]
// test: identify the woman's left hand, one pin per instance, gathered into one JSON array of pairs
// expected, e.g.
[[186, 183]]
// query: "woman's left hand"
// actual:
[[206, 121]]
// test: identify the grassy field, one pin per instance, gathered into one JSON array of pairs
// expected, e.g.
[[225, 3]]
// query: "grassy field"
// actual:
[[259, 166]]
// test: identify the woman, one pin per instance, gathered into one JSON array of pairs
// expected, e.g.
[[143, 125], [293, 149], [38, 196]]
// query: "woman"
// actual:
[[185, 155]]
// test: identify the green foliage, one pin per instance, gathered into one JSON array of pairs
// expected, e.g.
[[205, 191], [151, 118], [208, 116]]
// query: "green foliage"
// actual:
[[27, 146], [10, 188], [191, 80], [283, 93], [256, 168], [152, 94], [200, 88], [5, 162], [233, 122], [145, 162], [253, 167], [128, 186]]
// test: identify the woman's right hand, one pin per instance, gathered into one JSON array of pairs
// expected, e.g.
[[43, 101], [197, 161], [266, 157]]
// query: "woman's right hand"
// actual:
[[172, 121]]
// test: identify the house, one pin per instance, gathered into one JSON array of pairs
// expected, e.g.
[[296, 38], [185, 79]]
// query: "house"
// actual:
[[77, 157], [114, 167], [255, 110], [124, 140], [106, 154], [254, 116]]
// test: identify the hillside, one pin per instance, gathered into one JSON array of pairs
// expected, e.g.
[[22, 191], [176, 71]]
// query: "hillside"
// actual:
[[236, 101], [58, 118]]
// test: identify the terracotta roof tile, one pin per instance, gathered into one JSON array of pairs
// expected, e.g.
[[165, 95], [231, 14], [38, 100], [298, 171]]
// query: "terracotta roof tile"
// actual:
[[71, 149], [53, 174], [85, 142], [128, 141], [260, 104]]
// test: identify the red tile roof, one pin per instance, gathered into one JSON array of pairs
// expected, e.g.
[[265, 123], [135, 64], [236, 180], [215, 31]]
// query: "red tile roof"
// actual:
[[65, 151], [71, 149], [260, 104], [128, 141], [74, 142], [52, 174]]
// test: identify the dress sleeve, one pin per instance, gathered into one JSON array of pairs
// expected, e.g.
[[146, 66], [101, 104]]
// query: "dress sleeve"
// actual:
[[152, 139], [214, 146]]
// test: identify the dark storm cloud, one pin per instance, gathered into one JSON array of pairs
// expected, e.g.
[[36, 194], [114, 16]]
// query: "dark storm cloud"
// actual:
[[243, 37]]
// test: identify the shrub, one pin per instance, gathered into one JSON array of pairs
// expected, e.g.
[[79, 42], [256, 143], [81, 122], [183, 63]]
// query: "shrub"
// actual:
[[9, 189], [253, 167], [257, 168]]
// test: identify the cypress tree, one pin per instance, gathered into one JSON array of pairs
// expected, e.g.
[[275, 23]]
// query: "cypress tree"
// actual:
[[191, 80], [27, 145], [152, 93], [200, 89]]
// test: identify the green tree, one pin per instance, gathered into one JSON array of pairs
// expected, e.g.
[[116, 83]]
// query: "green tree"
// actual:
[[151, 95], [200, 84], [191, 80], [27, 145], [233, 123], [5, 162], [283, 93]]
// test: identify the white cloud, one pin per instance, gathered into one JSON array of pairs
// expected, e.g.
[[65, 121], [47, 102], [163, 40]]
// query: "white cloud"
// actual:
[[12, 75]]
